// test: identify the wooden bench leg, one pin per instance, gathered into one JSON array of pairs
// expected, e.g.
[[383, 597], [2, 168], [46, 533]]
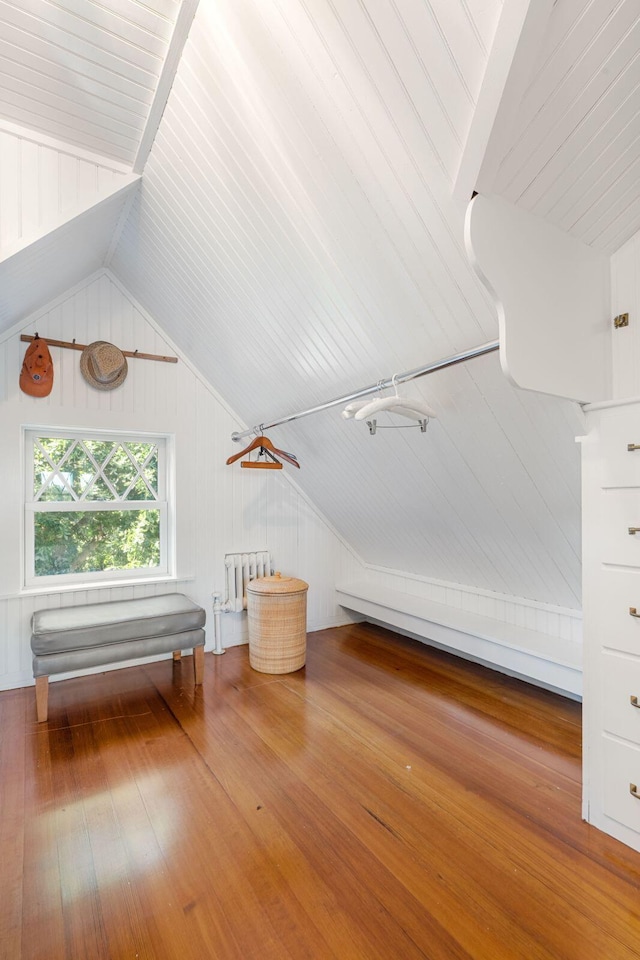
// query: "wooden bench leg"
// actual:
[[198, 664], [42, 698], [177, 654]]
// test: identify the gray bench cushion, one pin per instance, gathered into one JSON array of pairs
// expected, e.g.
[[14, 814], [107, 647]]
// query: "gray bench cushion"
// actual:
[[68, 660], [97, 624]]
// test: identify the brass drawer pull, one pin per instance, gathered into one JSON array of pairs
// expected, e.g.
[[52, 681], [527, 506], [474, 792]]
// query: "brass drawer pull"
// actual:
[[633, 790], [633, 446], [634, 702], [633, 612], [633, 530]]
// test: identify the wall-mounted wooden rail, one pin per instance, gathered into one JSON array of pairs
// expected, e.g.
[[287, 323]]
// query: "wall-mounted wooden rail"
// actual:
[[72, 345]]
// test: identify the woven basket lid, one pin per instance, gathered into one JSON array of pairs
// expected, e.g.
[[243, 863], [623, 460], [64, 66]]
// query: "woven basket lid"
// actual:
[[277, 584]]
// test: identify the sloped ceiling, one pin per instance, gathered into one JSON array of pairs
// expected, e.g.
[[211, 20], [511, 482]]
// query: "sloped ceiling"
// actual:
[[59, 259], [82, 87], [59, 211], [296, 235], [83, 71], [573, 156]]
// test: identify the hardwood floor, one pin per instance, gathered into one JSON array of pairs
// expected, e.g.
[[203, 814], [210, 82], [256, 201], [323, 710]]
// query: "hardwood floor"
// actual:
[[388, 801]]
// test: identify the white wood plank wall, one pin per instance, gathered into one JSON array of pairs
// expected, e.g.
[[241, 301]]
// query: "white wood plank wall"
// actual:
[[219, 509], [554, 621], [42, 183]]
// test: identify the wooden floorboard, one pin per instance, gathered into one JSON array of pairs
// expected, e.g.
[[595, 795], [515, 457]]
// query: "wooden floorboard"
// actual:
[[388, 801]]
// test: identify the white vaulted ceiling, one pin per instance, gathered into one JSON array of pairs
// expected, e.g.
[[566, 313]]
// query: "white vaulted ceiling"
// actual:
[[573, 156], [296, 234], [60, 259], [84, 71]]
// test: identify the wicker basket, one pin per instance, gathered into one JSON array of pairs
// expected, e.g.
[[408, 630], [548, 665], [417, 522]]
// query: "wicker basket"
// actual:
[[277, 612]]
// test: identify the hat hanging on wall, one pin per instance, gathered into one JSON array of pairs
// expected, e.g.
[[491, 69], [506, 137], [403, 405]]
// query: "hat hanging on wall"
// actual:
[[36, 376], [103, 366]]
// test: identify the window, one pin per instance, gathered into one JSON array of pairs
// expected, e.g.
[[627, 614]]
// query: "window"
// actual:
[[96, 506]]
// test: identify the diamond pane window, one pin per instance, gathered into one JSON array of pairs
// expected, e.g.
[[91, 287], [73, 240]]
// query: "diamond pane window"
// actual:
[[139, 491], [79, 470], [122, 471], [99, 490], [96, 506]]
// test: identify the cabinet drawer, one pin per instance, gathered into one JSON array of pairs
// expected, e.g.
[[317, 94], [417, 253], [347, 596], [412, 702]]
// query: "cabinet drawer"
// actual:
[[615, 629], [620, 467], [620, 513], [621, 769], [621, 683]]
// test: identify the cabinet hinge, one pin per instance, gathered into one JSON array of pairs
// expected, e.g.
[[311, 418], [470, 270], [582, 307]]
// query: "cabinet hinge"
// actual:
[[622, 320]]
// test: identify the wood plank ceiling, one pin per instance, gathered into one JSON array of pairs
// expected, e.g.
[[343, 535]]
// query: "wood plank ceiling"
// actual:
[[574, 154], [83, 71], [296, 235], [59, 260]]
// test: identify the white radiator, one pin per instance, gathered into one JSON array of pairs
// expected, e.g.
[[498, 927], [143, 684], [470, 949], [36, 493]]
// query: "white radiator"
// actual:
[[241, 568]]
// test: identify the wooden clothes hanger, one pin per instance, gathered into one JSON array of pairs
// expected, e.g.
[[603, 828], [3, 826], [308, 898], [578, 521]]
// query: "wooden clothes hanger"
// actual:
[[271, 454]]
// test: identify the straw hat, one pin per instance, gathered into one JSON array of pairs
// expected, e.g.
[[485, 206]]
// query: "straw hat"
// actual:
[[103, 366], [36, 376]]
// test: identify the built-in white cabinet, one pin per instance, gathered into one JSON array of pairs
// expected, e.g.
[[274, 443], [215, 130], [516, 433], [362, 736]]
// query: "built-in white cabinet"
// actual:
[[611, 605], [557, 302]]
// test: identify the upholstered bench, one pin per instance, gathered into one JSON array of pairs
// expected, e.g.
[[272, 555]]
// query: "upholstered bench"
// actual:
[[97, 634]]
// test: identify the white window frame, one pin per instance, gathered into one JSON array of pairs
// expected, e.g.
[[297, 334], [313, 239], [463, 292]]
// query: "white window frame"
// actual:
[[164, 505]]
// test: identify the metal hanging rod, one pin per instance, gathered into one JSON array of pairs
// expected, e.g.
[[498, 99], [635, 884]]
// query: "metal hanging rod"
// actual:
[[380, 385]]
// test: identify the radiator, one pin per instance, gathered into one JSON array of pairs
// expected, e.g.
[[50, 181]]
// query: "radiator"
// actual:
[[241, 568]]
